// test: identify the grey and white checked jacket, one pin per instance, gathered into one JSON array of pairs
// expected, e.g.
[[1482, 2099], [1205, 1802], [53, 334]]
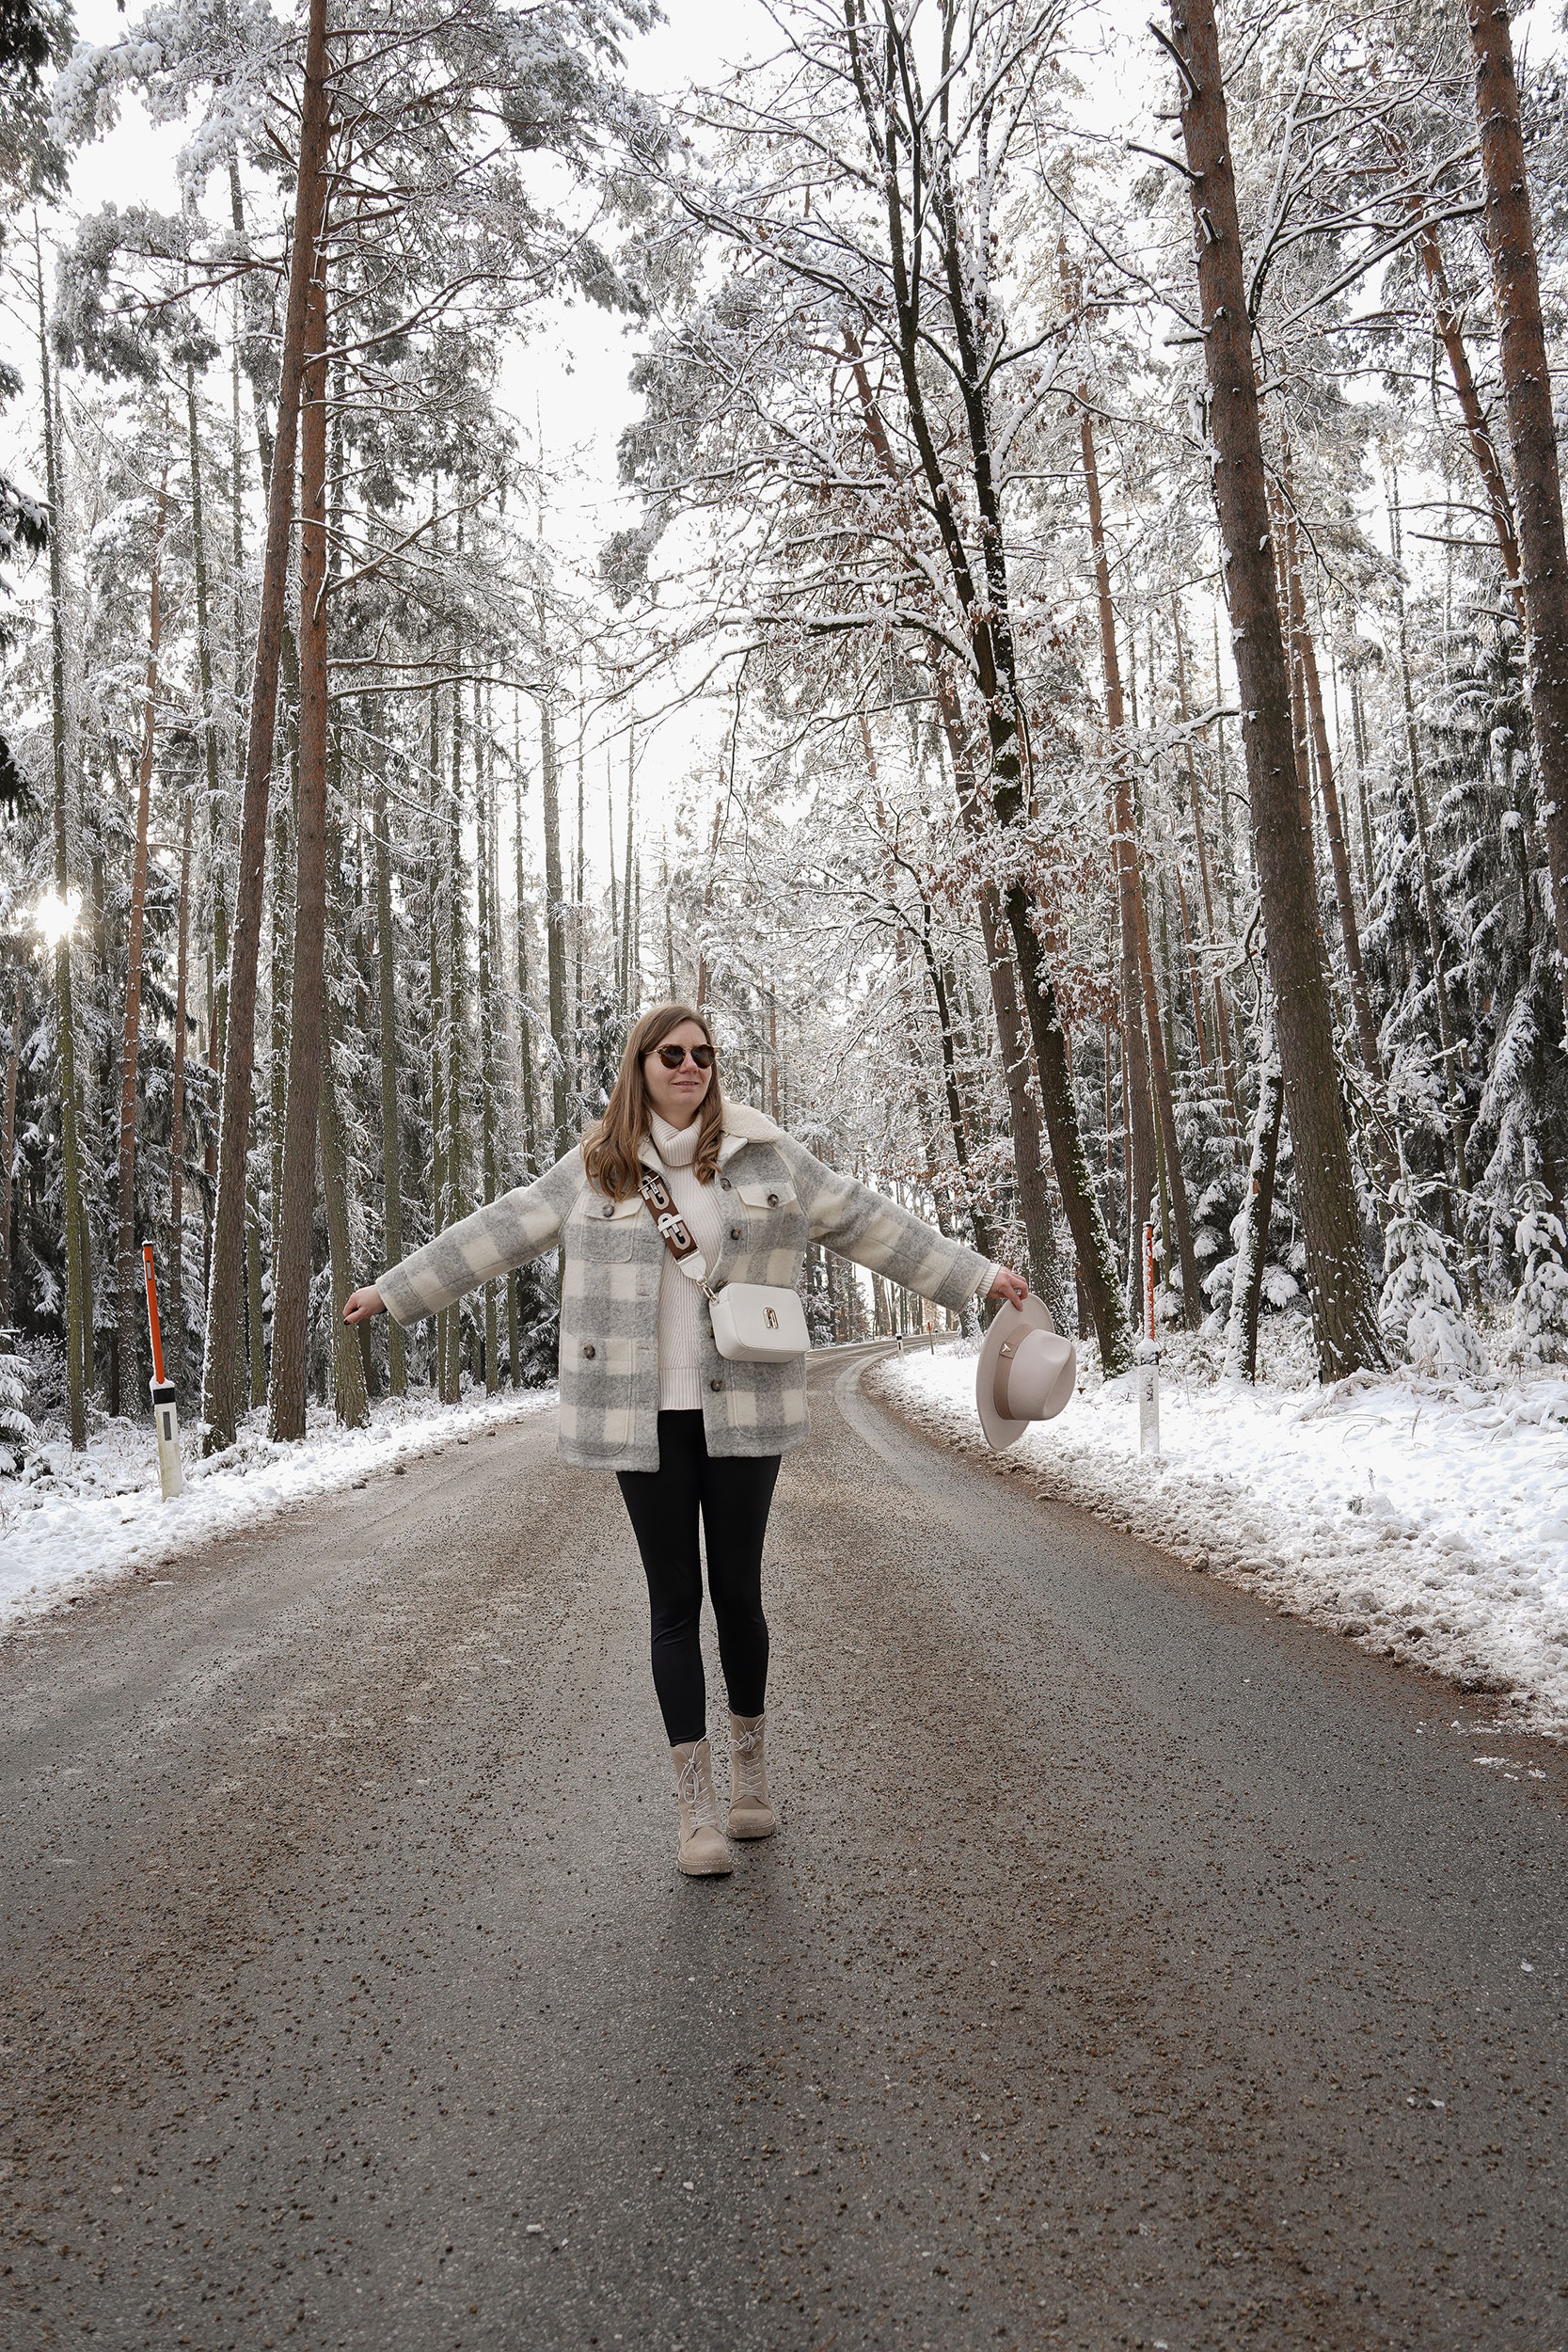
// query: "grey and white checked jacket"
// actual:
[[776, 1198]]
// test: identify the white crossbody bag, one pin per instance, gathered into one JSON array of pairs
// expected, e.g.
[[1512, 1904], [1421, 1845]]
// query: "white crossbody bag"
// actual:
[[753, 1323]]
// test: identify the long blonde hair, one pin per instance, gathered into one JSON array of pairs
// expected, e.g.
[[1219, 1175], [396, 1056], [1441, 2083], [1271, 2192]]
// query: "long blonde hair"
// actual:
[[609, 1148]]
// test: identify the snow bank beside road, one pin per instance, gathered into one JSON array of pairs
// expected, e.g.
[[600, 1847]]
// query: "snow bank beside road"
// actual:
[[70, 1520], [1426, 1519]]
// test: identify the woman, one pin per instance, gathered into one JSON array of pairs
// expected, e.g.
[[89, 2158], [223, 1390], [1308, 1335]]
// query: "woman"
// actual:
[[644, 1389]]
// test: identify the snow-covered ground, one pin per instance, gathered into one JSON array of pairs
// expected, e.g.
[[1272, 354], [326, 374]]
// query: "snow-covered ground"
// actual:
[[70, 1520], [1427, 1519]]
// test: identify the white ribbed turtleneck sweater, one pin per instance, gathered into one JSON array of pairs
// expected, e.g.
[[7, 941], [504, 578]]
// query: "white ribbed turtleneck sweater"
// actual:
[[682, 1308]]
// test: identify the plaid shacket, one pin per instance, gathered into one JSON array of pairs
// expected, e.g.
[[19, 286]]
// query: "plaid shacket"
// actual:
[[775, 1199]]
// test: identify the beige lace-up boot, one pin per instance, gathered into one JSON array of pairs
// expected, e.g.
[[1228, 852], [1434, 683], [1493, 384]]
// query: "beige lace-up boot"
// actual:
[[752, 1812], [701, 1853]]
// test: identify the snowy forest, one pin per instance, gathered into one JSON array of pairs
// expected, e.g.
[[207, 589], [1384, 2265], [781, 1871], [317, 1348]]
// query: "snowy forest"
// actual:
[[1074, 682]]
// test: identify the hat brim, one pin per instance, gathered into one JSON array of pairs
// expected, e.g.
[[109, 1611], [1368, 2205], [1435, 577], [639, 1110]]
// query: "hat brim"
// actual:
[[1010, 1323]]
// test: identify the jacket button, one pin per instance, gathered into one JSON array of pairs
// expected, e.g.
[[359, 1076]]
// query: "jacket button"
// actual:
[[716, 1385], [608, 1209], [723, 1184], [589, 1350], [735, 1232], [772, 1199]]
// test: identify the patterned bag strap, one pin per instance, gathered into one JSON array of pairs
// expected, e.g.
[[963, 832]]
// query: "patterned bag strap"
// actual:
[[677, 1233]]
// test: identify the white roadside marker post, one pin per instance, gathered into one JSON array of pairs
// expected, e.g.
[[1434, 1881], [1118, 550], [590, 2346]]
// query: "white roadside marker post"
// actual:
[[165, 1399], [1148, 1359]]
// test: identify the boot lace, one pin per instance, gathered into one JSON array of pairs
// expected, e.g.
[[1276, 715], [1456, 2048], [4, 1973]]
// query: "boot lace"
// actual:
[[694, 1787], [748, 1778]]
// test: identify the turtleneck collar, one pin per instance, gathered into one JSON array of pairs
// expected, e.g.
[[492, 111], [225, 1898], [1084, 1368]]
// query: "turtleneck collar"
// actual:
[[676, 1146]]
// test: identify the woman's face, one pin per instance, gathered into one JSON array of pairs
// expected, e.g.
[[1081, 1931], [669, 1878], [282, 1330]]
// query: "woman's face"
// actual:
[[677, 1095]]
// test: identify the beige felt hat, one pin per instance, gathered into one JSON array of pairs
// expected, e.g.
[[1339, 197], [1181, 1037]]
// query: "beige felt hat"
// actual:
[[1026, 1373]]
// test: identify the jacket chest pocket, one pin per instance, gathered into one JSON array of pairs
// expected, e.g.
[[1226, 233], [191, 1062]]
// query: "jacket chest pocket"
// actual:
[[609, 1228], [760, 1199]]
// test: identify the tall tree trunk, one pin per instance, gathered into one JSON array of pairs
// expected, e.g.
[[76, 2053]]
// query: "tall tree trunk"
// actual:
[[979, 1224], [437, 988], [391, 1164], [1344, 1311], [1448, 1036], [1034, 1198], [1310, 690], [8, 1159], [78, 1298], [630, 978], [128, 1284], [208, 729], [1478, 431], [486, 1028], [223, 1302], [555, 919], [1531, 431], [1222, 1017], [990, 626], [525, 1007], [174, 1339], [1246, 1288], [349, 1399], [255, 1310], [1192, 1301], [291, 1313], [455, 1202], [1124, 853]]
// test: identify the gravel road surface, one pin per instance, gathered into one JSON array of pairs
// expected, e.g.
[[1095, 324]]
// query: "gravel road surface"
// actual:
[[1133, 1966]]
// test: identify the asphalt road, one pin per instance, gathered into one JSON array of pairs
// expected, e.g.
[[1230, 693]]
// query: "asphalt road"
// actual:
[[1133, 1966]]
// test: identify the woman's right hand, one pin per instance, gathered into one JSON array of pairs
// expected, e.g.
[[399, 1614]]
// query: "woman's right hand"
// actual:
[[362, 1305]]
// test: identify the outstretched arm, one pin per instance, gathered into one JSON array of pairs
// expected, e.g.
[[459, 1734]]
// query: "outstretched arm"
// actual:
[[847, 1216], [507, 1232]]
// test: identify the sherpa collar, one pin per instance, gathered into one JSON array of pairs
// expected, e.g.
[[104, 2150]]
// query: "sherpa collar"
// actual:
[[742, 1126]]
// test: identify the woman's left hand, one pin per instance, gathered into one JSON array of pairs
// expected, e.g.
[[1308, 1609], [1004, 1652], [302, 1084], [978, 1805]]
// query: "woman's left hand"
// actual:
[[1009, 1286]]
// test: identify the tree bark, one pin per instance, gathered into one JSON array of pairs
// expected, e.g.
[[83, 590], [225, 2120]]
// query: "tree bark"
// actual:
[[227, 1252], [78, 1303], [1246, 1289], [1366, 1027], [486, 1032], [1478, 431], [984, 605], [1222, 1017], [454, 1202], [291, 1312], [255, 1312], [1531, 431], [555, 919], [174, 1339], [1343, 1313], [128, 1284], [525, 1010], [391, 1165], [207, 728], [1124, 853], [1192, 1301], [349, 1399], [8, 1156]]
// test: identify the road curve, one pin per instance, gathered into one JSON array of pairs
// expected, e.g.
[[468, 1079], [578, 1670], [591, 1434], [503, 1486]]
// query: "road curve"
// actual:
[[1133, 1966]]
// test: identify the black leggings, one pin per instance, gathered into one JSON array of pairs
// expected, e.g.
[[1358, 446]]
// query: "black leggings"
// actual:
[[733, 1494]]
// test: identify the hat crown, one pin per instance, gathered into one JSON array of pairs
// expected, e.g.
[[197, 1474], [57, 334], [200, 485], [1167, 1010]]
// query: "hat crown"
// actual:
[[1030, 1380], [1027, 1372]]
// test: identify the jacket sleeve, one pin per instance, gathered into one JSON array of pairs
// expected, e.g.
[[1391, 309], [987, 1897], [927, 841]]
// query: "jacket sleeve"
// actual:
[[522, 1224], [856, 1222]]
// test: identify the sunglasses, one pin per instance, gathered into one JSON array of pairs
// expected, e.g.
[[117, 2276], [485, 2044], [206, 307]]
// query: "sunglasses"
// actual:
[[672, 1055]]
